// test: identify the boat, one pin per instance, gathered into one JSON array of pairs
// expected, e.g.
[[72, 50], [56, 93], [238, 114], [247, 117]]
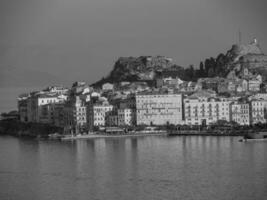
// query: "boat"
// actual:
[[54, 136], [79, 136], [255, 136]]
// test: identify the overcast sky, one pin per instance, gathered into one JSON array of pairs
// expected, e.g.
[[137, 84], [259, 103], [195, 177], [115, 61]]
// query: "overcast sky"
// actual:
[[81, 39]]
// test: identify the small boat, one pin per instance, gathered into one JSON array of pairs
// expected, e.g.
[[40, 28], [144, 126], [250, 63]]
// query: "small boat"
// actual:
[[255, 136], [79, 136], [55, 136]]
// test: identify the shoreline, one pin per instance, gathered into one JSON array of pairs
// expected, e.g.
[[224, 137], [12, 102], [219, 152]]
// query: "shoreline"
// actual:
[[43, 131], [96, 136]]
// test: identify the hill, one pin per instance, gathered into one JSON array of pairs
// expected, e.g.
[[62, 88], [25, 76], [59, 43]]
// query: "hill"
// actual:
[[144, 68], [238, 57]]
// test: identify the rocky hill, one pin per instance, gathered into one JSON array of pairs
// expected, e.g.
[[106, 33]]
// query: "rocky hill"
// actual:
[[237, 51], [143, 68], [147, 68], [249, 56], [239, 56]]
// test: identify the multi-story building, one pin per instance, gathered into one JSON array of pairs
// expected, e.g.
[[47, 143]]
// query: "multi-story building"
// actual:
[[107, 86], [37, 106], [23, 108], [254, 85], [112, 120], [233, 85], [258, 111], [75, 115], [168, 81], [158, 109], [129, 102], [126, 117], [210, 83], [203, 110], [56, 89], [240, 113], [58, 110], [259, 96], [98, 113], [189, 86]]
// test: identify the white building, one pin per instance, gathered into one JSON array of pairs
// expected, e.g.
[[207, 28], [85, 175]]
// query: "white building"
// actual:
[[203, 110], [259, 96], [258, 111], [240, 113], [126, 117], [75, 115], [56, 89], [158, 109], [254, 85], [98, 113], [37, 106], [107, 86]]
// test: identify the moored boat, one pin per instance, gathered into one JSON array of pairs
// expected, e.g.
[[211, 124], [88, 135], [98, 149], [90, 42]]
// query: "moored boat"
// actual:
[[255, 136], [54, 136]]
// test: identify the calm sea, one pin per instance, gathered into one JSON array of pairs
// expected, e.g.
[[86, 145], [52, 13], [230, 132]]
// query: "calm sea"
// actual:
[[156, 167]]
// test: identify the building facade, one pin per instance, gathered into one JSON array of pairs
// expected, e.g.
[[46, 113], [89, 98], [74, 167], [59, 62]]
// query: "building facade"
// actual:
[[205, 111], [240, 113], [258, 111], [23, 109], [158, 109], [126, 117], [98, 114], [75, 115]]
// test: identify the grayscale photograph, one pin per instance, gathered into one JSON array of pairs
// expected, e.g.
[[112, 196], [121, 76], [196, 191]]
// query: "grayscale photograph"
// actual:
[[133, 100]]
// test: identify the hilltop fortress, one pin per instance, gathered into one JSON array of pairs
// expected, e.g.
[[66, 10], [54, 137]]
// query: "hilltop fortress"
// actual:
[[249, 56]]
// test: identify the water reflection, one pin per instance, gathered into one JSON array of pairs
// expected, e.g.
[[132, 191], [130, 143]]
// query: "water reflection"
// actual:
[[133, 168]]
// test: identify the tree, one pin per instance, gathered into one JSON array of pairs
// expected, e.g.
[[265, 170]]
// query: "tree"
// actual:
[[201, 70], [190, 72]]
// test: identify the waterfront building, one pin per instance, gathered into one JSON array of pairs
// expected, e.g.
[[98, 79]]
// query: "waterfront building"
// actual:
[[240, 113], [37, 106], [46, 113], [206, 110], [23, 108], [154, 108], [52, 114], [126, 117], [58, 110], [75, 115], [112, 119], [258, 111], [98, 113]]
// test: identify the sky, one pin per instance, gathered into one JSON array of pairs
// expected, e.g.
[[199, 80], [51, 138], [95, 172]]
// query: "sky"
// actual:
[[81, 39]]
